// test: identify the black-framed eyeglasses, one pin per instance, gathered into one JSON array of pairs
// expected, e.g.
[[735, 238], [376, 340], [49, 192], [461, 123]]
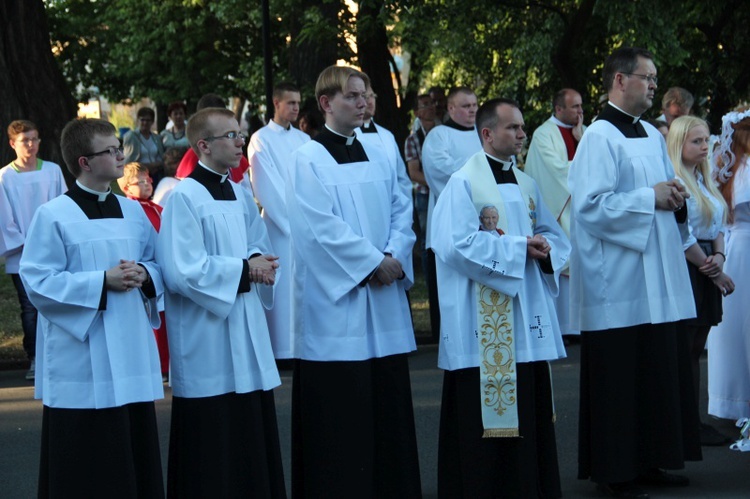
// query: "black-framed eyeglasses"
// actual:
[[649, 78], [111, 150], [230, 136]]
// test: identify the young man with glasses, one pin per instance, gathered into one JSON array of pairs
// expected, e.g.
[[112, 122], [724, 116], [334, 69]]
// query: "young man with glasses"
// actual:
[[26, 183], [88, 266], [215, 254]]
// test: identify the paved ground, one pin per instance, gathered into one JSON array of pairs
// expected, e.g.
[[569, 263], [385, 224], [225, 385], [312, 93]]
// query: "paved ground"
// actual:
[[722, 473]]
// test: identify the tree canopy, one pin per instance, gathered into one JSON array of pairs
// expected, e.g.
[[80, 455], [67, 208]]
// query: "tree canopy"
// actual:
[[180, 49]]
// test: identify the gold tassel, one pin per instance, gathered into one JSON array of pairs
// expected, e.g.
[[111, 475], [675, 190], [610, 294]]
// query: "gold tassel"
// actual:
[[500, 433]]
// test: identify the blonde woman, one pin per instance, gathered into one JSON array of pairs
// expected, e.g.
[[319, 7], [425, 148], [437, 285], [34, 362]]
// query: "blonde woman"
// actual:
[[688, 148], [729, 344]]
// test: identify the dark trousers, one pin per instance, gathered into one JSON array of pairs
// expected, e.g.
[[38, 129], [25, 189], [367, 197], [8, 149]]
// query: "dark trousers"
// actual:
[[28, 317]]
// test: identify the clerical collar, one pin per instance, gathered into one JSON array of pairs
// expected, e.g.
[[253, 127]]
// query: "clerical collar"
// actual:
[[630, 126], [100, 196], [220, 177], [339, 138], [453, 124], [369, 127], [499, 163], [634, 118], [560, 123], [502, 171]]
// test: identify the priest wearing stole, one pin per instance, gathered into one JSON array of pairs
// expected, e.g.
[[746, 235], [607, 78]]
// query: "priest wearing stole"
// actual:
[[352, 417], [216, 258], [498, 323], [629, 287]]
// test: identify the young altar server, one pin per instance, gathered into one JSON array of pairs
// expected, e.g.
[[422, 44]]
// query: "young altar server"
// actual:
[[498, 322], [26, 183], [214, 251], [271, 148], [353, 422], [88, 266]]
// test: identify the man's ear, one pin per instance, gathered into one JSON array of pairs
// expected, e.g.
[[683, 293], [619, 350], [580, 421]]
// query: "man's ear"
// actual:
[[83, 162], [325, 103]]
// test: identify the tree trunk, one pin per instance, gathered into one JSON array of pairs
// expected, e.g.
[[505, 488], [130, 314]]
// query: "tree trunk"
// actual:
[[31, 83], [375, 60], [309, 57]]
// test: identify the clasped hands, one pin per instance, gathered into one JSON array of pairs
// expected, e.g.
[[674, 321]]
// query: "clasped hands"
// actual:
[[263, 269], [713, 268], [537, 247], [388, 272], [125, 276], [670, 195]]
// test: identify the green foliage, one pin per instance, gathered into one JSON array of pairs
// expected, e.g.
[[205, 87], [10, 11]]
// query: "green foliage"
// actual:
[[167, 50], [525, 49], [529, 49]]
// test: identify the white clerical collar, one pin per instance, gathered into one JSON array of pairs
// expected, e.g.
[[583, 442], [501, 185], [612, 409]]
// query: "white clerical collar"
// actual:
[[507, 165], [635, 118], [368, 123], [560, 123], [222, 175], [275, 126], [349, 140], [102, 195]]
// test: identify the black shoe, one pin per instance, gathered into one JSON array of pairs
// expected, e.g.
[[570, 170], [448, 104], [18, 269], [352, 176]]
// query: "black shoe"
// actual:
[[711, 437], [622, 489], [660, 478]]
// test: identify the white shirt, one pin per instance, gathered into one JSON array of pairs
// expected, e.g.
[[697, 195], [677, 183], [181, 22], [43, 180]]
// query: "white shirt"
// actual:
[[21, 193], [344, 218], [218, 338], [628, 264], [89, 358]]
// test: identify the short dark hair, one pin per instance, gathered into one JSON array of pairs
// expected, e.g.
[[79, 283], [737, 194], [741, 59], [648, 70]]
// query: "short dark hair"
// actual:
[[559, 98], [176, 105], [459, 90], [622, 60], [76, 139], [419, 98], [18, 127], [146, 112], [200, 125], [284, 86], [210, 100], [487, 113]]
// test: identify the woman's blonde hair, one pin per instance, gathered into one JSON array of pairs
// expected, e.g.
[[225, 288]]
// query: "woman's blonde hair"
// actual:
[[678, 132]]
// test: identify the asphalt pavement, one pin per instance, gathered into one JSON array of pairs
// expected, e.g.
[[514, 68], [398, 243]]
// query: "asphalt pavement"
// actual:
[[722, 473]]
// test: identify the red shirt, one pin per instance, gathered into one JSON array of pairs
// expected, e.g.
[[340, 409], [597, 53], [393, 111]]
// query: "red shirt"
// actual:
[[190, 161], [153, 211]]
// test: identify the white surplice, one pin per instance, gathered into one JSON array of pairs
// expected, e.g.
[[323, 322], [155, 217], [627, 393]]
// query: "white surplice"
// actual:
[[21, 193], [218, 338], [445, 150], [628, 263], [271, 150], [383, 143], [89, 358], [344, 218], [547, 163], [467, 255]]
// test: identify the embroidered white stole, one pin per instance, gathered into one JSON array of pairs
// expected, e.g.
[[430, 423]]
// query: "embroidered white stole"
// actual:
[[497, 350]]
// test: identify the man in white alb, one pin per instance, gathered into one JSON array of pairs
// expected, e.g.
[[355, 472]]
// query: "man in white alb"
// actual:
[[548, 161], [271, 150]]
